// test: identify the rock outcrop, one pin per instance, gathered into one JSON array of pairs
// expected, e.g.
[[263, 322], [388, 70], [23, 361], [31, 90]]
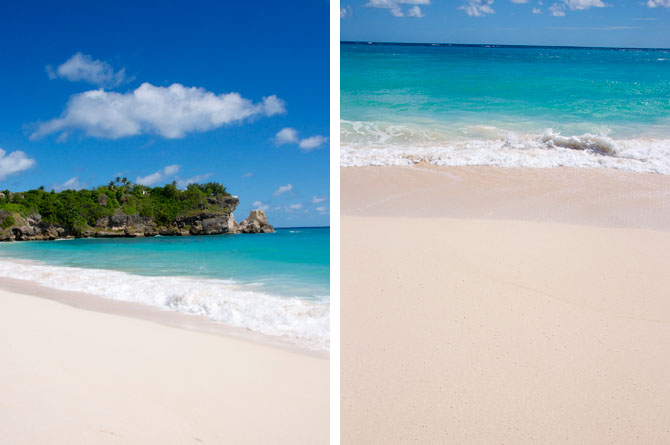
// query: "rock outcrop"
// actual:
[[217, 220], [256, 222]]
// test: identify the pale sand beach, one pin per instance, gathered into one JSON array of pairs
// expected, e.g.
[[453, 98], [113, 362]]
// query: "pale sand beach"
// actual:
[[113, 373], [492, 305]]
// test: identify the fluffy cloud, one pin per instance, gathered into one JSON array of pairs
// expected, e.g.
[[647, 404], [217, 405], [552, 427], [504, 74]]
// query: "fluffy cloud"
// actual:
[[584, 4], [537, 11], [520, 1], [183, 183], [345, 12], [658, 3], [159, 176], [82, 68], [313, 142], [258, 205], [286, 136], [557, 10], [170, 112], [295, 206], [323, 210], [317, 200], [70, 184], [283, 189], [290, 136], [14, 162], [395, 7], [478, 8]]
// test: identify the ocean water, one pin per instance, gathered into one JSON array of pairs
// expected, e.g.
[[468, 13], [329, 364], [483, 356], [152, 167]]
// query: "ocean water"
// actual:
[[276, 284], [505, 106]]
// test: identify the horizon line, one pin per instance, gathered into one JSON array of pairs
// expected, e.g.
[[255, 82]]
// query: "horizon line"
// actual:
[[498, 45]]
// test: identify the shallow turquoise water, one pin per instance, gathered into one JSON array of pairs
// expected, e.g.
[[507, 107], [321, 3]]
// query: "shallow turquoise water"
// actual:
[[290, 262], [423, 97], [276, 284]]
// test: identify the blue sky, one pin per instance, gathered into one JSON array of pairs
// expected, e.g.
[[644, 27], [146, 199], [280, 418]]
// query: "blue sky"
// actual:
[[614, 23], [235, 92]]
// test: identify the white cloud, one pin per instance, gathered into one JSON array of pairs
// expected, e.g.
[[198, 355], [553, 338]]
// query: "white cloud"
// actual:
[[345, 12], [283, 189], [312, 142], [258, 205], [82, 68], [290, 136], [537, 11], [317, 200], [415, 11], [395, 7], [247, 175], [167, 111], [520, 1], [295, 206], [183, 183], [286, 136], [658, 3], [478, 8], [323, 210], [584, 4], [159, 176], [557, 10], [14, 162], [70, 184]]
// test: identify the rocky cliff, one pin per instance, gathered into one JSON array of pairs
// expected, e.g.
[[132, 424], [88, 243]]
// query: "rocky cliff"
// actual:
[[216, 219]]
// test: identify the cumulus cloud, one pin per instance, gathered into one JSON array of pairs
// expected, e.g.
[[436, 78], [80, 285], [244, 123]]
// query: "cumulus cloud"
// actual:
[[478, 8], [537, 11], [520, 1], [395, 7], [14, 162], [71, 184], [170, 112], [345, 12], [584, 4], [82, 68], [183, 183], [290, 136], [258, 205], [159, 176], [323, 210], [283, 189], [557, 10], [658, 4], [297, 206], [286, 136], [317, 200], [313, 142]]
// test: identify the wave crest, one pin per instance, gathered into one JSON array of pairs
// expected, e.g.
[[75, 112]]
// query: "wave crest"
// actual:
[[300, 321]]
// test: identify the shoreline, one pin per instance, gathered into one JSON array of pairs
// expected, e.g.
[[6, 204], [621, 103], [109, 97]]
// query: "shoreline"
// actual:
[[83, 376], [154, 314], [536, 300]]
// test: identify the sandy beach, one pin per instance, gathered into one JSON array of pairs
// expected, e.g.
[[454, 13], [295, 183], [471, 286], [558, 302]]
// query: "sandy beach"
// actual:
[[107, 372], [491, 305]]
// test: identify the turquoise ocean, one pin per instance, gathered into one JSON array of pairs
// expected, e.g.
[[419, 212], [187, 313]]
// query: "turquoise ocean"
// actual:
[[276, 284], [505, 106]]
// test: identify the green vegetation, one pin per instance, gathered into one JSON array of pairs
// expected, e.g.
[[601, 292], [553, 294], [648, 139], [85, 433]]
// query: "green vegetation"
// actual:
[[77, 210]]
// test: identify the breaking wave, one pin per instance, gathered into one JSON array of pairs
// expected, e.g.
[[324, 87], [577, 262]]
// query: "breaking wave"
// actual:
[[301, 321], [369, 144]]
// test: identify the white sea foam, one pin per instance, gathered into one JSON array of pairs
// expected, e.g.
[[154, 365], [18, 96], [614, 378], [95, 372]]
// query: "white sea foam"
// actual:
[[300, 321], [366, 143]]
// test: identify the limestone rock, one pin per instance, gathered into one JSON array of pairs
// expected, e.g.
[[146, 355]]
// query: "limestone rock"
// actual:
[[256, 222]]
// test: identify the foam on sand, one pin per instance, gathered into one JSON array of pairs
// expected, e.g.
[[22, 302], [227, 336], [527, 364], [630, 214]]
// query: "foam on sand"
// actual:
[[375, 144], [301, 321]]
